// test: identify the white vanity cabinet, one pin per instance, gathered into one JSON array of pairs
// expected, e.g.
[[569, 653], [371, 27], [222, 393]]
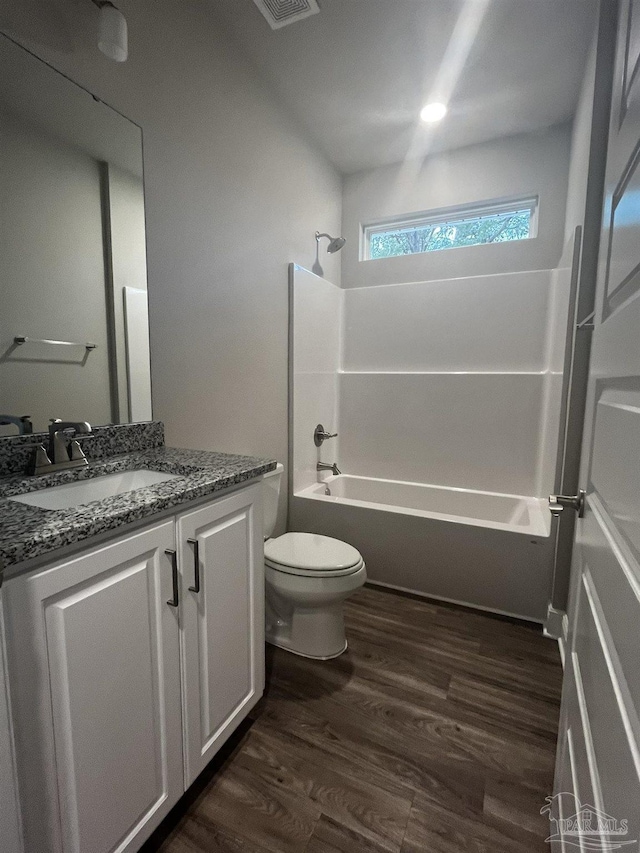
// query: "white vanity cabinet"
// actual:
[[124, 681], [94, 669]]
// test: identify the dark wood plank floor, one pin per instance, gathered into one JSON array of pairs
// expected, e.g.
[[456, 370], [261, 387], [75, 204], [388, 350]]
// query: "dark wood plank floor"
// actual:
[[435, 732]]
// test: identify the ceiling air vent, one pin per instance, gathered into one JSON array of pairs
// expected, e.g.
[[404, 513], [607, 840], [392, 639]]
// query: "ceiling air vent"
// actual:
[[279, 13]]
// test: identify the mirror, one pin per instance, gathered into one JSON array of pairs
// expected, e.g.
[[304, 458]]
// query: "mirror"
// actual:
[[74, 325]]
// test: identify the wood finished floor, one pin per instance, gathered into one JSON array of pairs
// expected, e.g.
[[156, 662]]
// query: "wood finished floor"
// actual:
[[435, 732]]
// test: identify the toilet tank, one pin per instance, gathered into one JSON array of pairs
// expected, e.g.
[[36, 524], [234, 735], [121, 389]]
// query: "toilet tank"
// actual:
[[270, 493]]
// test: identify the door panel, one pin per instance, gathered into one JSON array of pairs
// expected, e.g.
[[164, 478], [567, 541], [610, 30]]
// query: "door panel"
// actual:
[[624, 232], [10, 829], [96, 726], [581, 758], [223, 625], [615, 465], [618, 592], [631, 56], [601, 693], [224, 637], [610, 714], [101, 671]]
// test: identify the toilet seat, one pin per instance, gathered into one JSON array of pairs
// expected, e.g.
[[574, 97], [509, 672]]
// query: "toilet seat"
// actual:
[[311, 555]]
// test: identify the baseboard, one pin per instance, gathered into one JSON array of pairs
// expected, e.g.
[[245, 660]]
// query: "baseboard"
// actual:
[[403, 589], [556, 627], [553, 623], [562, 642], [562, 650]]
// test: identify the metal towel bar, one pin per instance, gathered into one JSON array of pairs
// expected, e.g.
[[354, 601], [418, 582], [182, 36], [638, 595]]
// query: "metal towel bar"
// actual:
[[23, 339]]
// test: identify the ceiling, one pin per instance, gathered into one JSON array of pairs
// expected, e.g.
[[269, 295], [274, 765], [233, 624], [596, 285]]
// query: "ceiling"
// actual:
[[356, 75]]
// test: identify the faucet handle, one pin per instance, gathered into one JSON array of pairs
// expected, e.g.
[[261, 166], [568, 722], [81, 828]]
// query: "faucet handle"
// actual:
[[75, 452], [320, 435], [40, 462]]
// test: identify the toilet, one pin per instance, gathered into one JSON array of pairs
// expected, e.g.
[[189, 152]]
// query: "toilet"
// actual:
[[307, 576]]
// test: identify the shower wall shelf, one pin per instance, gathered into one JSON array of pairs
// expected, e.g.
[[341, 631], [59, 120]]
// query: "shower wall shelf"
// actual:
[[23, 339]]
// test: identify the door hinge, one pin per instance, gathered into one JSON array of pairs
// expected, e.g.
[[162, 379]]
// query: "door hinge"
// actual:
[[558, 503]]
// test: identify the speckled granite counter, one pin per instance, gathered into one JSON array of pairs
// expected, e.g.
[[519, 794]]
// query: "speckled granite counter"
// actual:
[[27, 532]]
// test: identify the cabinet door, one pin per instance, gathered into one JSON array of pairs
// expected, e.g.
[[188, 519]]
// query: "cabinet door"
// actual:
[[94, 663], [222, 622], [10, 833]]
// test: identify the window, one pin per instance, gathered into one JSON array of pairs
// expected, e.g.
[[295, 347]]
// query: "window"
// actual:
[[493, 222]]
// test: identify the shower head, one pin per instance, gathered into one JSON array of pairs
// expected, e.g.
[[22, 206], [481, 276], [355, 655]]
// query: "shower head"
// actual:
[[335, 243]]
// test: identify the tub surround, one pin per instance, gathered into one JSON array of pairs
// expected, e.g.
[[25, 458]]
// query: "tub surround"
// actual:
[[27, 532], [458, 381], [316, 318], [446, 398]]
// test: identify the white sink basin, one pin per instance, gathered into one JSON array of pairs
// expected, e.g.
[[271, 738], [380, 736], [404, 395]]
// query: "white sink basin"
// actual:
[[94, 489]]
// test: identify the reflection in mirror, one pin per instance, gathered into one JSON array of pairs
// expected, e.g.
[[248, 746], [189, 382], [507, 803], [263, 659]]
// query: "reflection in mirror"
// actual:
[[74, 328]]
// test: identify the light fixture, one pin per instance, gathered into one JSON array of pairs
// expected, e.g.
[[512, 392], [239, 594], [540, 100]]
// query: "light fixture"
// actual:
[[112, 31], [433, 112]]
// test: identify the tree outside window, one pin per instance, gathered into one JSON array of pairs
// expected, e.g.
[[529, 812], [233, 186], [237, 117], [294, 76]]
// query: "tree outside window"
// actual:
[[452, 233]]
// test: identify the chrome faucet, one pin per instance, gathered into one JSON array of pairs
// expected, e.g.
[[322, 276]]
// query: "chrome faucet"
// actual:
[[23, 422], [325, 466], [59, 456]]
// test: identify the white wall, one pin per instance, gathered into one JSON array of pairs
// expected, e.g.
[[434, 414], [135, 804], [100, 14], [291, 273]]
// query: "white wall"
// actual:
[[517, 166], [233, 193], [580, 147], [317, 321], [53, 285]]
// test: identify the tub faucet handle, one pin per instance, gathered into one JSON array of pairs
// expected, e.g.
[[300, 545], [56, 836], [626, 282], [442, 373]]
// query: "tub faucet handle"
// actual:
[[320, 434]]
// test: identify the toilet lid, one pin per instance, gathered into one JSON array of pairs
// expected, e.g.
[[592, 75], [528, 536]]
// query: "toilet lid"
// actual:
[[311, 552]]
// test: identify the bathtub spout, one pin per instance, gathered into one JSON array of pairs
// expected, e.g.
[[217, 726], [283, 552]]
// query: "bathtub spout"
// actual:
[[325, 466]]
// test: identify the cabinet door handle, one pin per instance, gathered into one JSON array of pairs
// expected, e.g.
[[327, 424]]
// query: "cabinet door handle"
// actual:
[[196, 565], [175, 601]]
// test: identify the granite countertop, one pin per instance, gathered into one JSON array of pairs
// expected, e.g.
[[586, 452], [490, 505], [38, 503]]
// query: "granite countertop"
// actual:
[[27, 531]]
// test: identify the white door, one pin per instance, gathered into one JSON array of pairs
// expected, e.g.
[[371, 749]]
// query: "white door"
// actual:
[[94, 662], [222, 592], [598, 769]]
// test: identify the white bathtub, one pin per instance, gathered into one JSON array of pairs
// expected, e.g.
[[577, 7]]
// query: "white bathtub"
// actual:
[[464, 506], [491, 551]]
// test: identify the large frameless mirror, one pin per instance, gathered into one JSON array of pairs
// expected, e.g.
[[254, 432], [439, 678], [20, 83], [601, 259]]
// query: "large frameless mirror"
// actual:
[[74, 325]]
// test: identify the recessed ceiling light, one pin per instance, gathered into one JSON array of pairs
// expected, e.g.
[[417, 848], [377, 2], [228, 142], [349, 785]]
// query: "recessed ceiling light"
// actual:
[[433, 112]]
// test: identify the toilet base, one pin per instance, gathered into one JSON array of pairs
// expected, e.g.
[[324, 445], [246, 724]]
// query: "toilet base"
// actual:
[[311, 632], [304, 613], [282, 644]]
